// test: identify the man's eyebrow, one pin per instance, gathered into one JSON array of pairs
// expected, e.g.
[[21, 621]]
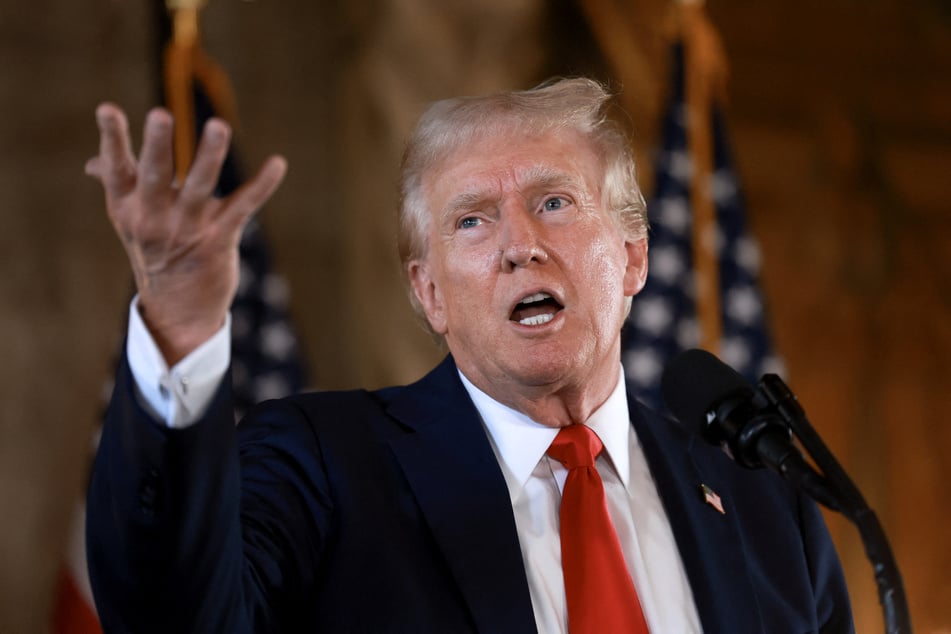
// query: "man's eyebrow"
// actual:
[[533, 178], [542, 177], [466, 200]]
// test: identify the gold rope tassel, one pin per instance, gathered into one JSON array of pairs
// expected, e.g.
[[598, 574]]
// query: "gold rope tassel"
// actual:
[[186, 63]]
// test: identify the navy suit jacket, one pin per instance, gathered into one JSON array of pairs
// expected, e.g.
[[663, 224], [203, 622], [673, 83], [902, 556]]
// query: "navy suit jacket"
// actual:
[[386, 511]]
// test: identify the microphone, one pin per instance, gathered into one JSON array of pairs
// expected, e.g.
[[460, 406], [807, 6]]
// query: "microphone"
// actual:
[[756, 428], [709, 397]]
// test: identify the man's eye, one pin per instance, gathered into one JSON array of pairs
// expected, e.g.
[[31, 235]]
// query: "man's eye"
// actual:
[[469, 222], [555, 203]]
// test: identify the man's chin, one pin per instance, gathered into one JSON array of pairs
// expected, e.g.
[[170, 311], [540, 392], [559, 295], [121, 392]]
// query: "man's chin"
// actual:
[[535, 368]]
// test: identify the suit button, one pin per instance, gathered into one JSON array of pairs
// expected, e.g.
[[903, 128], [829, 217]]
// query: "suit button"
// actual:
[[149, 493]]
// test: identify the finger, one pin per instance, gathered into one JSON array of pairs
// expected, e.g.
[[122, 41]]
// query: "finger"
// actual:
[[156, 167], [203, 176], [116, 164], [254, 193], [93, 168]]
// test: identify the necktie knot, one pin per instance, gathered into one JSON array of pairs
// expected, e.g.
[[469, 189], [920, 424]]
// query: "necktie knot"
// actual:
[[599, 591], [576, 446]]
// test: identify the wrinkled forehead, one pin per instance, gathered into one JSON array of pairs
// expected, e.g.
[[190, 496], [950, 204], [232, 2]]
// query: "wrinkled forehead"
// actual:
[[510, 157]]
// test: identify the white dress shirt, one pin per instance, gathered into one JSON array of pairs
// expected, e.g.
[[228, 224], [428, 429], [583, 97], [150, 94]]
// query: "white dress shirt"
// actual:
[[535, 482], [180, 395]]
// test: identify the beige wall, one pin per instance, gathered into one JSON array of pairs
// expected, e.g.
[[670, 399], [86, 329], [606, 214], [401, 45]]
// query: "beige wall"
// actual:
[[840, 117], [843, 128]]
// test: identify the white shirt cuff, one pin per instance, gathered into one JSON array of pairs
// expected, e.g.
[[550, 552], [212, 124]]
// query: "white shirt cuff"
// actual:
[[178, 396]]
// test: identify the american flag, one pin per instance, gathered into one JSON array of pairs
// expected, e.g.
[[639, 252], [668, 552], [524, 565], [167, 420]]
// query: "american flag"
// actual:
[[265, 363], [663, 320], [265, 356], [710, 497]]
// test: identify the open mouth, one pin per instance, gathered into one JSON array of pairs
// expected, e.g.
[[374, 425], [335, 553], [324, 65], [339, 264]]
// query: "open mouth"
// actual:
[[536, 309]]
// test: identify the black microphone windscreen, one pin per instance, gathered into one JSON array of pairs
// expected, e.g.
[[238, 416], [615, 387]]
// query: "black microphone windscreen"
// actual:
[[695, 382]]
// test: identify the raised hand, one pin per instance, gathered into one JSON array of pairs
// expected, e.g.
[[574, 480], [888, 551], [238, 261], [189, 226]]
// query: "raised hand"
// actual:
[[182, 242]]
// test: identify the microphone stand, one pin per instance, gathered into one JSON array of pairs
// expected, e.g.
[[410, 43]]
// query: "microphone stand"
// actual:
[[845, 498]]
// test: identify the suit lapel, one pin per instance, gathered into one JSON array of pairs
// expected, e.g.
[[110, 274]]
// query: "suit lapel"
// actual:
[[457, 482], [709, 541], [459, 486]]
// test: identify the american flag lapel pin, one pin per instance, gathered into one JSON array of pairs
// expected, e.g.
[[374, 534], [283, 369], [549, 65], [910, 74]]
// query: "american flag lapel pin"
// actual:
[[710, 497]]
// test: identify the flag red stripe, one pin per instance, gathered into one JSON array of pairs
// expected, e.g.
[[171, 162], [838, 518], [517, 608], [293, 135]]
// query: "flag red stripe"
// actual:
[[72, 613]]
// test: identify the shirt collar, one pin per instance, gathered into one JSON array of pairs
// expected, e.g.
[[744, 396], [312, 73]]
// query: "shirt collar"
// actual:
[[520, 442]]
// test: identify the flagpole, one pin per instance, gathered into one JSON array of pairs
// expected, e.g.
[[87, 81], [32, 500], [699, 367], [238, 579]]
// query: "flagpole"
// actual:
[[705, 72], [178, 76], [185, 64]]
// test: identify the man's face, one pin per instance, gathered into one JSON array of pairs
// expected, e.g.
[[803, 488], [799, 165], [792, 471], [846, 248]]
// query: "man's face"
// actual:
[[526, 274]]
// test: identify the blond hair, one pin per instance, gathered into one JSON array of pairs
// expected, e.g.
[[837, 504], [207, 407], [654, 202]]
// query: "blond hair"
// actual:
[[576, 104]]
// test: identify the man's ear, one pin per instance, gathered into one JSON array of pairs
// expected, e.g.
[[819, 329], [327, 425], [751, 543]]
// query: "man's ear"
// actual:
[[428, 296], [635, 273]]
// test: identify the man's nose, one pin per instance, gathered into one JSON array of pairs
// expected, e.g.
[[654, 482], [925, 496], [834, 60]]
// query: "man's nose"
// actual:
[[521, 238]]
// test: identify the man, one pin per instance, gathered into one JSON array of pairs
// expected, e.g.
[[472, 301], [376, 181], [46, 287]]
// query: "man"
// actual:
[[433, 507]]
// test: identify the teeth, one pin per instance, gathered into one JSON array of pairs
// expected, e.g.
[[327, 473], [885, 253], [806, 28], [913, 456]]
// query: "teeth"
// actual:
[[537, 297], [537, 320]]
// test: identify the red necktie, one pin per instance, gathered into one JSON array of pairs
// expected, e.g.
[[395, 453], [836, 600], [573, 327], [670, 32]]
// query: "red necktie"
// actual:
[[601, 596]]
